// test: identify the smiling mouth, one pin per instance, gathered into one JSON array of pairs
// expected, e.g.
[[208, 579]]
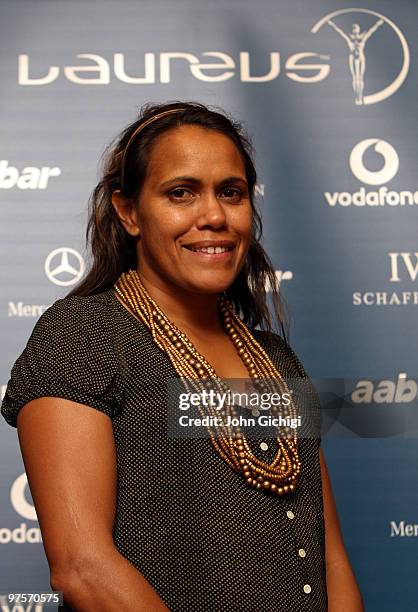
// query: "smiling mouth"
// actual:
[[210, 250]]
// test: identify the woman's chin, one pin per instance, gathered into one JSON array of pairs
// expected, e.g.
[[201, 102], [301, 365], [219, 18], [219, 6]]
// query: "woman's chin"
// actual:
[[209, 288]]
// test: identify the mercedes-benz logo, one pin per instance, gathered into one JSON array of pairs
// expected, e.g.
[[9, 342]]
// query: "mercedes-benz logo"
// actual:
[[64, 266]]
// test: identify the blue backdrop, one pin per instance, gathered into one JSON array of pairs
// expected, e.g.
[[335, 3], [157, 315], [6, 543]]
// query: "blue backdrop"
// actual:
[[328, 92]]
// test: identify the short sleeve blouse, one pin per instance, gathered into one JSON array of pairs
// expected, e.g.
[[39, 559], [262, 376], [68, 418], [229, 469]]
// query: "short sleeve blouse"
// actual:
[[66, 356], [203, 538]]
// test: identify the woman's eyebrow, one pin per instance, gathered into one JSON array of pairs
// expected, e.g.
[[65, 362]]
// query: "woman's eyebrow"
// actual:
[[186, 179], [196, 181], [233, 179]]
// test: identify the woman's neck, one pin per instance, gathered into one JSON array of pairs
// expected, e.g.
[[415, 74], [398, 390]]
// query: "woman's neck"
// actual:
[[196, 312]]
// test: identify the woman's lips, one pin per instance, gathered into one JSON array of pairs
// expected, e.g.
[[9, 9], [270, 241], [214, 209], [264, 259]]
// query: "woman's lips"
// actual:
[[211, 256]]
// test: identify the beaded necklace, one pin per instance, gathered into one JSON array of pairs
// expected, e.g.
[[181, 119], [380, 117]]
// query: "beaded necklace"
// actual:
[[282, 474]]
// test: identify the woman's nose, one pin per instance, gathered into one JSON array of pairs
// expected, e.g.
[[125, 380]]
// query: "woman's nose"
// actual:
[[211, 211]]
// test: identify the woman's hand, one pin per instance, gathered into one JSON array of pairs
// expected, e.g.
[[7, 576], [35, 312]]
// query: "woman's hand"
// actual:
[[343, 592]]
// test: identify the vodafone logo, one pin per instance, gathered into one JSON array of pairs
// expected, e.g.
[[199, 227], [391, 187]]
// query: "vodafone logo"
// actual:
[[18, 498], [24, 533], [383, 148], [357, 162]]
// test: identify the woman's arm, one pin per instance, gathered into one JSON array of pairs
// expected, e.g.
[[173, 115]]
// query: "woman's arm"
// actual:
[[69, 454], [343, 592]]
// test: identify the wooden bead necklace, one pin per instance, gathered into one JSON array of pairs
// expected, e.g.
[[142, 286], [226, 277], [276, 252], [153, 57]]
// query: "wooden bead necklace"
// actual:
[[282, 474]]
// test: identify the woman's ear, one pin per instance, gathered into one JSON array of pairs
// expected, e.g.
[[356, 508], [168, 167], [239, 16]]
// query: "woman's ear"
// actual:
[[126, 212]]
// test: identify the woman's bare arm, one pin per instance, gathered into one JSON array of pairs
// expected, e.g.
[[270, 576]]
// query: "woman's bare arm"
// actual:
[[343, 592], [69, 454]]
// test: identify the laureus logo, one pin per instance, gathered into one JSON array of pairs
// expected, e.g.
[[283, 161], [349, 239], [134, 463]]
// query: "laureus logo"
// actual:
[[356, 33]]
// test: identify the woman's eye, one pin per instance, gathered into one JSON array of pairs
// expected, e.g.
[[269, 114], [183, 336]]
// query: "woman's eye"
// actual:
[[232, 194], [180, 193]]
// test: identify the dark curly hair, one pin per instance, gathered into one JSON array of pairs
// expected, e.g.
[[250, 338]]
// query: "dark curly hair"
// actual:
[[114, 250]]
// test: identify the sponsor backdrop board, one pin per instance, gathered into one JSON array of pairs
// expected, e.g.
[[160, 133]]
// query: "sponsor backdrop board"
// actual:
[[328, 92]]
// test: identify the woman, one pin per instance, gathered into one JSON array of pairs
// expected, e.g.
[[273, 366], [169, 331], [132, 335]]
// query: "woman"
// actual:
[[132, 518]]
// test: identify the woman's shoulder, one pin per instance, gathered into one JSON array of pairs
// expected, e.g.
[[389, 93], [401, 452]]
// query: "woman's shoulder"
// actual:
[[91, 309], [71, 354], [267, 337], [76, 318], [281, 351]]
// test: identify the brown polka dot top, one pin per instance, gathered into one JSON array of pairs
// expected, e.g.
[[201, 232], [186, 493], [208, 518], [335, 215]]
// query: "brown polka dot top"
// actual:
[[204, 539]]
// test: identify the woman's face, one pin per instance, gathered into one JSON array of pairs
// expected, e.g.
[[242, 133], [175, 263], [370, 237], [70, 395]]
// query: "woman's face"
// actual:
[[195, 194]]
